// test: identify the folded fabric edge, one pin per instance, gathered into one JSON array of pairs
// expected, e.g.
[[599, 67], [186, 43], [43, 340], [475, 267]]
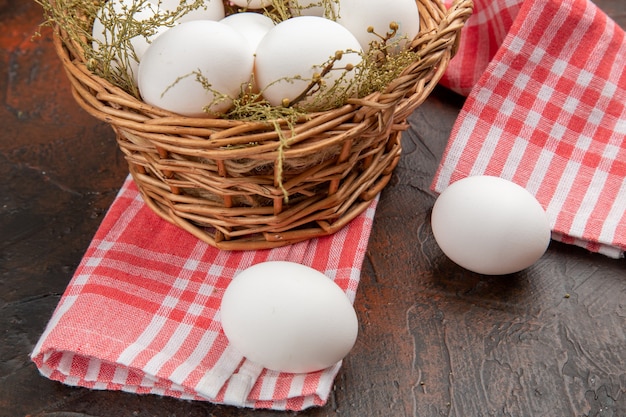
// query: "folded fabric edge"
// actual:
[[614, 252], [57, 365]]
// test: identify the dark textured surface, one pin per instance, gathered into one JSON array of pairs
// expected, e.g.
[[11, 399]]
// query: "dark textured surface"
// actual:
[[434, 339]]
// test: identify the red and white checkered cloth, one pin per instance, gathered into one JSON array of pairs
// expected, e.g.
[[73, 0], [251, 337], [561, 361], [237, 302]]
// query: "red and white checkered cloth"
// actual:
[[546, 109], [141, 313]]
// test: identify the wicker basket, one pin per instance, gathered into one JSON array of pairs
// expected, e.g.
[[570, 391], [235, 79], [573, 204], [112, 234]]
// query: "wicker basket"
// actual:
[[203, 176]]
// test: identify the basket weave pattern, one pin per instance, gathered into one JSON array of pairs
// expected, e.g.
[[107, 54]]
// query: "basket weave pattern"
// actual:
[[225, 180]]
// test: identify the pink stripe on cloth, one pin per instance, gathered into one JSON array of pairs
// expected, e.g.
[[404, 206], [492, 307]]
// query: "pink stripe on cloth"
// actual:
[[141, 313], [549, 113]]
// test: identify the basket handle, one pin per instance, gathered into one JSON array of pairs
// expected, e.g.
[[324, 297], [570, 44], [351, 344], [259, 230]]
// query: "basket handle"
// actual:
[[455, 19]]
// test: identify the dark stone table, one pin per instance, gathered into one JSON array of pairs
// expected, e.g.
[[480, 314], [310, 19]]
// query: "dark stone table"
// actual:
[[434, 339]]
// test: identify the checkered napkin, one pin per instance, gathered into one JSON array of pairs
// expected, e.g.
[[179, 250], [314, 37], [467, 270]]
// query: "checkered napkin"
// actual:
[[141, 313], [546, 109]]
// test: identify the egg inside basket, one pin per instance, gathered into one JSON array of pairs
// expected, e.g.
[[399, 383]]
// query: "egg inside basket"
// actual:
[[242, 183]]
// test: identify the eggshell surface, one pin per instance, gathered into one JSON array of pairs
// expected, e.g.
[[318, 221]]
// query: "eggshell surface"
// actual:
[[490, 225], [169, 70], [288, 317], [296, 49], [358, 15], [253, 26]]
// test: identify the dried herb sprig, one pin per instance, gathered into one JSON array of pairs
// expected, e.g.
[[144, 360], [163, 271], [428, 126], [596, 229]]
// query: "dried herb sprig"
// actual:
[[113, 57]]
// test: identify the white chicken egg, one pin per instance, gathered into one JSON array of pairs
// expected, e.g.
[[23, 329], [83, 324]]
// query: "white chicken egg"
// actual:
[[106, 34], [359, 15], [209, 10], [295, 50], [252, 4], [179, 65], [490, 225], [288, 317], [253, 26]]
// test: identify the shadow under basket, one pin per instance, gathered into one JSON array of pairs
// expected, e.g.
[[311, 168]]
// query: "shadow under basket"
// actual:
[[225, 181]]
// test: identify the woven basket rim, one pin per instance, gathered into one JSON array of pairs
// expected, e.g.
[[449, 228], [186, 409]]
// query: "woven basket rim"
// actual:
[[434, 17]]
